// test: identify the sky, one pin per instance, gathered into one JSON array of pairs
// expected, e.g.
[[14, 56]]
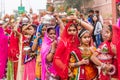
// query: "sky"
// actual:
[[11, 5]]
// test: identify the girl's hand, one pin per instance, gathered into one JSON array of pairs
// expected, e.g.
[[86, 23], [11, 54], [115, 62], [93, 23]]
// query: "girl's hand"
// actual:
[[85, 61], [56, 15], [72, 64], [113, 48], [54, 44], [72, 17], [38, 35]]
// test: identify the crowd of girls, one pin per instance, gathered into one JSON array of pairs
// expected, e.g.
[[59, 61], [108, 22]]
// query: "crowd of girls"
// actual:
[[58, 47]]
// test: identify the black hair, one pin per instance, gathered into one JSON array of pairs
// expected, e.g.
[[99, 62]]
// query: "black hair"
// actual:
[[91, 11], [97, 11], [74, 25], [118, 4], [22, 26], [50, 28], [34, 26], [81, 31], [110, 28], [96, 16]]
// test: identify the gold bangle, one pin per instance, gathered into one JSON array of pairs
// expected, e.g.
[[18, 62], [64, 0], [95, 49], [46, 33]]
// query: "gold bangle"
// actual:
[[52, 51], [76, 64]]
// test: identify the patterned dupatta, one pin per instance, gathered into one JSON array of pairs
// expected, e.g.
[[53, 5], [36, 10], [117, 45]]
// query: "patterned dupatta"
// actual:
[[75, 56]]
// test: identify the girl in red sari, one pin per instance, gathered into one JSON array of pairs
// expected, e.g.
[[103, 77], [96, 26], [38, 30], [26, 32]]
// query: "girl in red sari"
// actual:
[[13, 49], [65, 46], [68, 42]]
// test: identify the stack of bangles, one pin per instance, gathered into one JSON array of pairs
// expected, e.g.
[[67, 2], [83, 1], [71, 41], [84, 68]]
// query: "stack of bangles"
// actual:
[[76, 64], [52, 51], [79, 21], [103, 65], [113, 70]]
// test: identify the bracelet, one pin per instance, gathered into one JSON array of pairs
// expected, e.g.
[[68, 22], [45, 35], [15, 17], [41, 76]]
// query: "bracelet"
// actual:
[[52, 51], [103, 65], [35, 43], [75, 64], [79, 21]]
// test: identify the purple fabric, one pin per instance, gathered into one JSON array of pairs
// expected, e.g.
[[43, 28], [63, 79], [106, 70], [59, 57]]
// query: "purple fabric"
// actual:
[[118, 22], [46, 46], [3, 52], [57, 28]]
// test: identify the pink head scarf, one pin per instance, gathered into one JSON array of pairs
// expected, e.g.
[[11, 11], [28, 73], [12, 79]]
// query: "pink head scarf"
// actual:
[[46, 46]]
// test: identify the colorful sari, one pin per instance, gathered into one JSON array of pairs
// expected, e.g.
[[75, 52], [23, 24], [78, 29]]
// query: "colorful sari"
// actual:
[[106, 56], [29, 61], [3, 53], [62, 55], [76, 71], [38, 58], [90, 70], [48, 71], [13, 54]]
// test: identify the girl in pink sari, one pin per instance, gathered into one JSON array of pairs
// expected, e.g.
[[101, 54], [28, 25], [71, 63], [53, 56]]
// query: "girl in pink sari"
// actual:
[[47, 53], [3, 53]]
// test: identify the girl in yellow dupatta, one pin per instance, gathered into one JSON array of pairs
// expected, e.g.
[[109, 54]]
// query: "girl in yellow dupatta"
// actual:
[[37, 47], [88, 70]]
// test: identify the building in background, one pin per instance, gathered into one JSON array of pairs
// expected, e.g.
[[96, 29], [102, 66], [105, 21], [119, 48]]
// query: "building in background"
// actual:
[[105, 7]]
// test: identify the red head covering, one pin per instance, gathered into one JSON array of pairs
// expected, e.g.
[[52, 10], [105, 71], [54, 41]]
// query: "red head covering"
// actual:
[[116, 41], [116, 34], [118, 56], [117, 0], [67, 44]]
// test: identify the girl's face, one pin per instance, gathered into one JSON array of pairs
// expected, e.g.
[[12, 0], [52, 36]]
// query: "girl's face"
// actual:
[[30, 30], [52, 34], [106, 34], [44, 30], [119, 7], [72, 30], [94, 18], [85, 39]]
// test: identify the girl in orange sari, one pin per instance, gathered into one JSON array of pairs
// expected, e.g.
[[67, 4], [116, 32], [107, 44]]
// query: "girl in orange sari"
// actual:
[[87, 70]]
